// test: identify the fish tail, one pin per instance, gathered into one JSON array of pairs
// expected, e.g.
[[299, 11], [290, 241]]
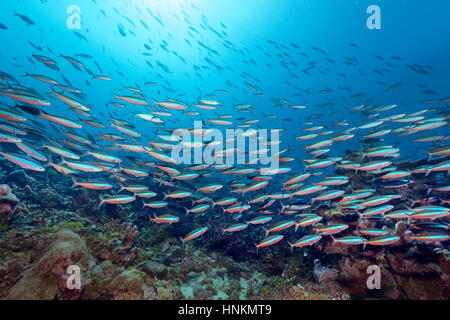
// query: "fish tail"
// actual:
[[291, 245], [50, 162], [182, 241], [102, 201], [187, 210], [75, 183]]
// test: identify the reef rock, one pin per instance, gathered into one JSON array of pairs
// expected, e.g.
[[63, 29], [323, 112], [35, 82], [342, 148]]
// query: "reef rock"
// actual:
[[112, 282], [47, 278], [8, 201], [49, 198], [400, 277], [155, 269], [323, 273], [125, 253]]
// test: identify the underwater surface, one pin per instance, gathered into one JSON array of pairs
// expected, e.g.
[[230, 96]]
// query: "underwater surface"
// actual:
[[224, 149]]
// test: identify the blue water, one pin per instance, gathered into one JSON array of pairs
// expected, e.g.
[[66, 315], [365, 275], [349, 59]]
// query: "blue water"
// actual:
[[416, 32]]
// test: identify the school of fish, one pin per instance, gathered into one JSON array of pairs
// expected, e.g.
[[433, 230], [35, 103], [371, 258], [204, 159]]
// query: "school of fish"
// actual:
[[126, 154]]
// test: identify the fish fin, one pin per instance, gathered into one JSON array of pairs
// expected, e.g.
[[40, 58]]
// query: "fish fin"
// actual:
[[102, 201], [182, 240], [292, 246], [75, 183], [50, 162]]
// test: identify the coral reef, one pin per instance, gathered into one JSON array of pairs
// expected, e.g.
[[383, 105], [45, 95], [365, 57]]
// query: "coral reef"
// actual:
[[123, 256], [47, 278], [8, 202]]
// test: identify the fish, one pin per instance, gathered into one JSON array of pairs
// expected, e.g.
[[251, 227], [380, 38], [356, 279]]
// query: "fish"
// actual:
[[165, 218], [118, 199], [95, 185], [23, 162], [25, 19], [155, 204], [331, 228], [383, 240], [280, 226], [236, 227], [431, 237], [349, 240], [271, 240], [194, 234]]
